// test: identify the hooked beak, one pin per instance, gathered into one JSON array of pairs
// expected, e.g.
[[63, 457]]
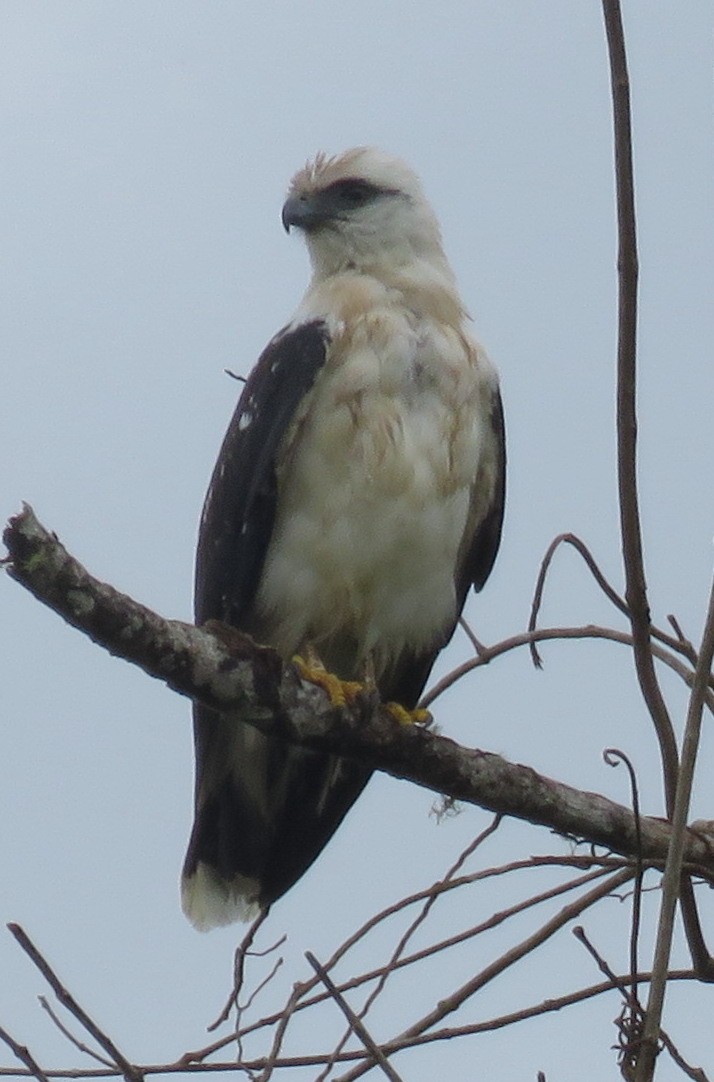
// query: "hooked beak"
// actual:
[[304, 211]]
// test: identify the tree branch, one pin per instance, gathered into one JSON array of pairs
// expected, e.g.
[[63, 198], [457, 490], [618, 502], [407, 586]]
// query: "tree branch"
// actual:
[[673, 870], [628, 273], [130, 1072], [635, 582], [230, 673]]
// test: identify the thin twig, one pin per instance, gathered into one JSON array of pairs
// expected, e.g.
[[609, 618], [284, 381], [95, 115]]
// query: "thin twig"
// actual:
[[602, 865], [614, 756], [451, 1003], [685, 643], [627, 266], [584, 551], [629, 1024], [471, 635], [587, 631], [638, 1013], [566, 914], [283, 1021], [131, 1073], [494, 921], [680, 644], [356, 1024], [673, 868], [239, 959], [46, 1006], [396, 960], [546, 1006], [263, 984], [24, 1055]]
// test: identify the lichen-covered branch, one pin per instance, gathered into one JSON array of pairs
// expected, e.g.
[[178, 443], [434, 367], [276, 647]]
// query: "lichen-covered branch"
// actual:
[[228, 672]]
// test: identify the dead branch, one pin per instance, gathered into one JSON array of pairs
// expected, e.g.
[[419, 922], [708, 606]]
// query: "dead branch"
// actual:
[[452, 1002], [68, 1035], [673, 870], [547, 1006], [356, 1024], [632, 1017], [585, 553], [600, 866], [252, 684], [24, 1055], [396, 959], [131, 1073], [559, 634], [630, 527]]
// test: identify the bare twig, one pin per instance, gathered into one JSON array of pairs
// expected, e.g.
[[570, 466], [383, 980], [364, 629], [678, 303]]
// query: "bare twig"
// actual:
[[356, 1024], [495, 920], [24, 1055], [242, 952], [471, 635], [397, 954], [685, 643], [46, 1006], [629, 1022], [588, 631], [613, 756], [452, 1002], [546, 1006], [283, 1020], [635, 583], [568, 913], [263, 984], [131, 1073], [633, 1031], [581, 547], [673, 869], [396, 960]]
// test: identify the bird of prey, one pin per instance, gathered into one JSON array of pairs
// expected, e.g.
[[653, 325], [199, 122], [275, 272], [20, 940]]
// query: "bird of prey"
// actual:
[[357, 496]]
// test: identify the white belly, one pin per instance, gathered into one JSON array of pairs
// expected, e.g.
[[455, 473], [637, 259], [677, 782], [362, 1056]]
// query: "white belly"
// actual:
[[374, 495]]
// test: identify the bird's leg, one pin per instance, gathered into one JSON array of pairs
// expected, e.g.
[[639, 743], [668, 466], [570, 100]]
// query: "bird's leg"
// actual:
[[400, 713], [403, 716], [310, 667]]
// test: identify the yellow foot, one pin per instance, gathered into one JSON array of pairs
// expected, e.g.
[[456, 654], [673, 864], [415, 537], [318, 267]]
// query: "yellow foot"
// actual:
[[340, 692], [408, 717]]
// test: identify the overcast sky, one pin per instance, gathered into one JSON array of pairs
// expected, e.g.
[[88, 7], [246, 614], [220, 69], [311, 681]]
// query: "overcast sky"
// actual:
[[146, 149]]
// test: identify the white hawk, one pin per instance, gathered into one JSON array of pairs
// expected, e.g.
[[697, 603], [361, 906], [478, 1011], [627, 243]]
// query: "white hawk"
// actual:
[[357, 496]]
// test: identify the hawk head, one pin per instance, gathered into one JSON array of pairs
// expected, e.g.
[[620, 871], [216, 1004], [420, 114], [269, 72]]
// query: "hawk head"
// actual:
[[361, 210]]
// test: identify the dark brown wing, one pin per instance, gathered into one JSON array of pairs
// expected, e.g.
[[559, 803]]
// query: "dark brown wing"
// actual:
[[239, 511], [480, 555], [264, 809]]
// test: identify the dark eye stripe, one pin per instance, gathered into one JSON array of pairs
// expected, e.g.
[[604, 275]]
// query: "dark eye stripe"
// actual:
[[354, 191]]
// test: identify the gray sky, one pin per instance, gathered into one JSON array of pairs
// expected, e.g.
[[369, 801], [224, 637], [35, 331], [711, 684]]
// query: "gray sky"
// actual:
[[146, 151]]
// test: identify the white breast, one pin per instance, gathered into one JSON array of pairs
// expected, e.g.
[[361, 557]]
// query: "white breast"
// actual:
[[374, 490]]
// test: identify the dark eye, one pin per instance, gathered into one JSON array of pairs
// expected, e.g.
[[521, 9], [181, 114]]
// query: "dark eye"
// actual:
[[354, 193]]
